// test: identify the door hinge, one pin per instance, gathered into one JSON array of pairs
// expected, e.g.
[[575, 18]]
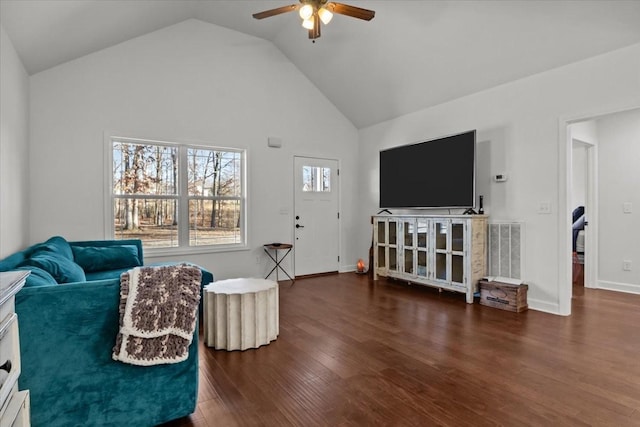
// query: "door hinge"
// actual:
[[338, 172], [338, 215], [338, 258]]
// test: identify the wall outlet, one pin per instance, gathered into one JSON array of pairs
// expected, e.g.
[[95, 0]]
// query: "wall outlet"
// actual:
[[627, 207], [626, 265]]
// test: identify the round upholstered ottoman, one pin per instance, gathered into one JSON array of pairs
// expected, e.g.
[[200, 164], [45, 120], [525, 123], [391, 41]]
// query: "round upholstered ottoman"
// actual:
[[240, 313]]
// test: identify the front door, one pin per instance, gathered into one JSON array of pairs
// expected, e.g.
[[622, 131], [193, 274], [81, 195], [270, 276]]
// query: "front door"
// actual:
[[316, 218]]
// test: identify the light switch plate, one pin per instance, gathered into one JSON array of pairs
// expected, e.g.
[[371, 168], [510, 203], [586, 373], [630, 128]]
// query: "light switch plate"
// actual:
[[544, 207]]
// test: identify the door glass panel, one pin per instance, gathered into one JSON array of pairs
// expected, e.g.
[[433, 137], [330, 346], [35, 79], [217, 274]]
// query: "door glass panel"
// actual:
[[421, 232], [457, 268], [408, 233], [441, 266], [457, 237], [393, 233], [393, 259], [441, 235], [381, 261], [408, 261], [422, 263], [381, 238]]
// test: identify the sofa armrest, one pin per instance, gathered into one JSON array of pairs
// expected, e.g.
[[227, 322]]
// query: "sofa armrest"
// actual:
[[67, 333]]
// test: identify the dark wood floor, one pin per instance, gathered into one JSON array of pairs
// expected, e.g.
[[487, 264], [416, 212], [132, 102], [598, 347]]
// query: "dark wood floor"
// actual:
[[352, 352]]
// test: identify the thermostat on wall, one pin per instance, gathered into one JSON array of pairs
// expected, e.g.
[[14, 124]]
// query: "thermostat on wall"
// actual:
[[501, 177]]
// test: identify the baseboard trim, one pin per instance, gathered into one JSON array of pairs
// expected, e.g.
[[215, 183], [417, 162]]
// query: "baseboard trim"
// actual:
[[309, 276], [619, 287], [544, 306]]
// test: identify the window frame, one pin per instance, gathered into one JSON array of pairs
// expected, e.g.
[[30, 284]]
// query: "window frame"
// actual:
[[182, 195]]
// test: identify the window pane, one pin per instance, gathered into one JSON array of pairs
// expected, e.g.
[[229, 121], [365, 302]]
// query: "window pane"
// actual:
[[214, 173], [308, 178], [326, 179], [144, 169], [151, 220], [316, 179], [214, 222]]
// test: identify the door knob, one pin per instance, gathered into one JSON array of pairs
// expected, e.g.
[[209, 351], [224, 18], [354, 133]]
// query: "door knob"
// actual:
[[299, 226]]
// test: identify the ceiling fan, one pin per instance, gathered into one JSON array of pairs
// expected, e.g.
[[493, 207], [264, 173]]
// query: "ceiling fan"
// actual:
[[314, 11]]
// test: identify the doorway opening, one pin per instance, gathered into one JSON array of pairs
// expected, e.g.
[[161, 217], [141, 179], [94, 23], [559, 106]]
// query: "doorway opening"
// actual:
[[603, 146]]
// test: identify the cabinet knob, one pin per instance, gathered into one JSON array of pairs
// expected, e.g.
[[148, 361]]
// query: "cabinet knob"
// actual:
[[6, 366]]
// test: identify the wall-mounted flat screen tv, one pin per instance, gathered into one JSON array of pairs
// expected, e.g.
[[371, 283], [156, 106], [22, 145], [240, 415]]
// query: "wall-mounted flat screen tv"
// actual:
[[439, 173]]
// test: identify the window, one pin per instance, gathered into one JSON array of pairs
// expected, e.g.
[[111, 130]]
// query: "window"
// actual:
[[156, 185], [316, 179]]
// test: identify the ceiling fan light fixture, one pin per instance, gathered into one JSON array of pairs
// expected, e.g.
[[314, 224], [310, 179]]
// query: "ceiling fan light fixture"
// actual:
[[306, 12], [308, 23], [313, 12], [325, 15]]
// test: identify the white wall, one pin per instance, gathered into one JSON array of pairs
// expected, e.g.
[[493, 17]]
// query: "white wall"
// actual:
[[191, 82], [14, 139], [519, 133], [619, 182]]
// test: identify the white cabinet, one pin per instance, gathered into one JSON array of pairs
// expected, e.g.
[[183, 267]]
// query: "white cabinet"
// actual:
[[14, 404], [448, 252]]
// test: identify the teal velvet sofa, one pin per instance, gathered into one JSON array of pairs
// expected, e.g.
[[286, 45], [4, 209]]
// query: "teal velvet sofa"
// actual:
[[68, 320]]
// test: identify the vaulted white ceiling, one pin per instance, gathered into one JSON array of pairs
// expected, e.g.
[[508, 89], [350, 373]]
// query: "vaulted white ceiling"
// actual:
[[412, 55]]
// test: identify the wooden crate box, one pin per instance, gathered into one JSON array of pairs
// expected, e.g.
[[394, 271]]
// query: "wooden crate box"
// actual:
[[504, 296]]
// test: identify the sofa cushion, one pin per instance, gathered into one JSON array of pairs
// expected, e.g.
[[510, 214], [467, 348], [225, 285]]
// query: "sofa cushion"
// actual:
[[38, 277], [56, 245], [12, 261], [95, 258], [62, 269]]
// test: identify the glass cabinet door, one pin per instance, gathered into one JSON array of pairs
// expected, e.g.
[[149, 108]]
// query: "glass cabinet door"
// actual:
[[408, 233], [381, 243], [422, 247], [441, 247], [393, 245], [457, 252], [448, 238]]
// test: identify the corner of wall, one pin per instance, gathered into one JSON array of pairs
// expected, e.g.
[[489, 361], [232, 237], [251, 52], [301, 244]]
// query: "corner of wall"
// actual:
[[14, 148]]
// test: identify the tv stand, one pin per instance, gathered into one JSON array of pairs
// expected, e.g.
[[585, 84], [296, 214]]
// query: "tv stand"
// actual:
[[447, 252]]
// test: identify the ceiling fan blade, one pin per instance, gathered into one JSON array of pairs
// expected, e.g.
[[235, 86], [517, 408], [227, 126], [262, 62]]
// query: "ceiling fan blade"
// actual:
[[352, 11], [276, 11]]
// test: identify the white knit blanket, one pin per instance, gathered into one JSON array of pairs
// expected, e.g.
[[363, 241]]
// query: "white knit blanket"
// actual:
[[158, 314]]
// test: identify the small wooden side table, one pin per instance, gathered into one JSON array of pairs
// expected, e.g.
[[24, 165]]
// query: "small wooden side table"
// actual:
[[275, 247]]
